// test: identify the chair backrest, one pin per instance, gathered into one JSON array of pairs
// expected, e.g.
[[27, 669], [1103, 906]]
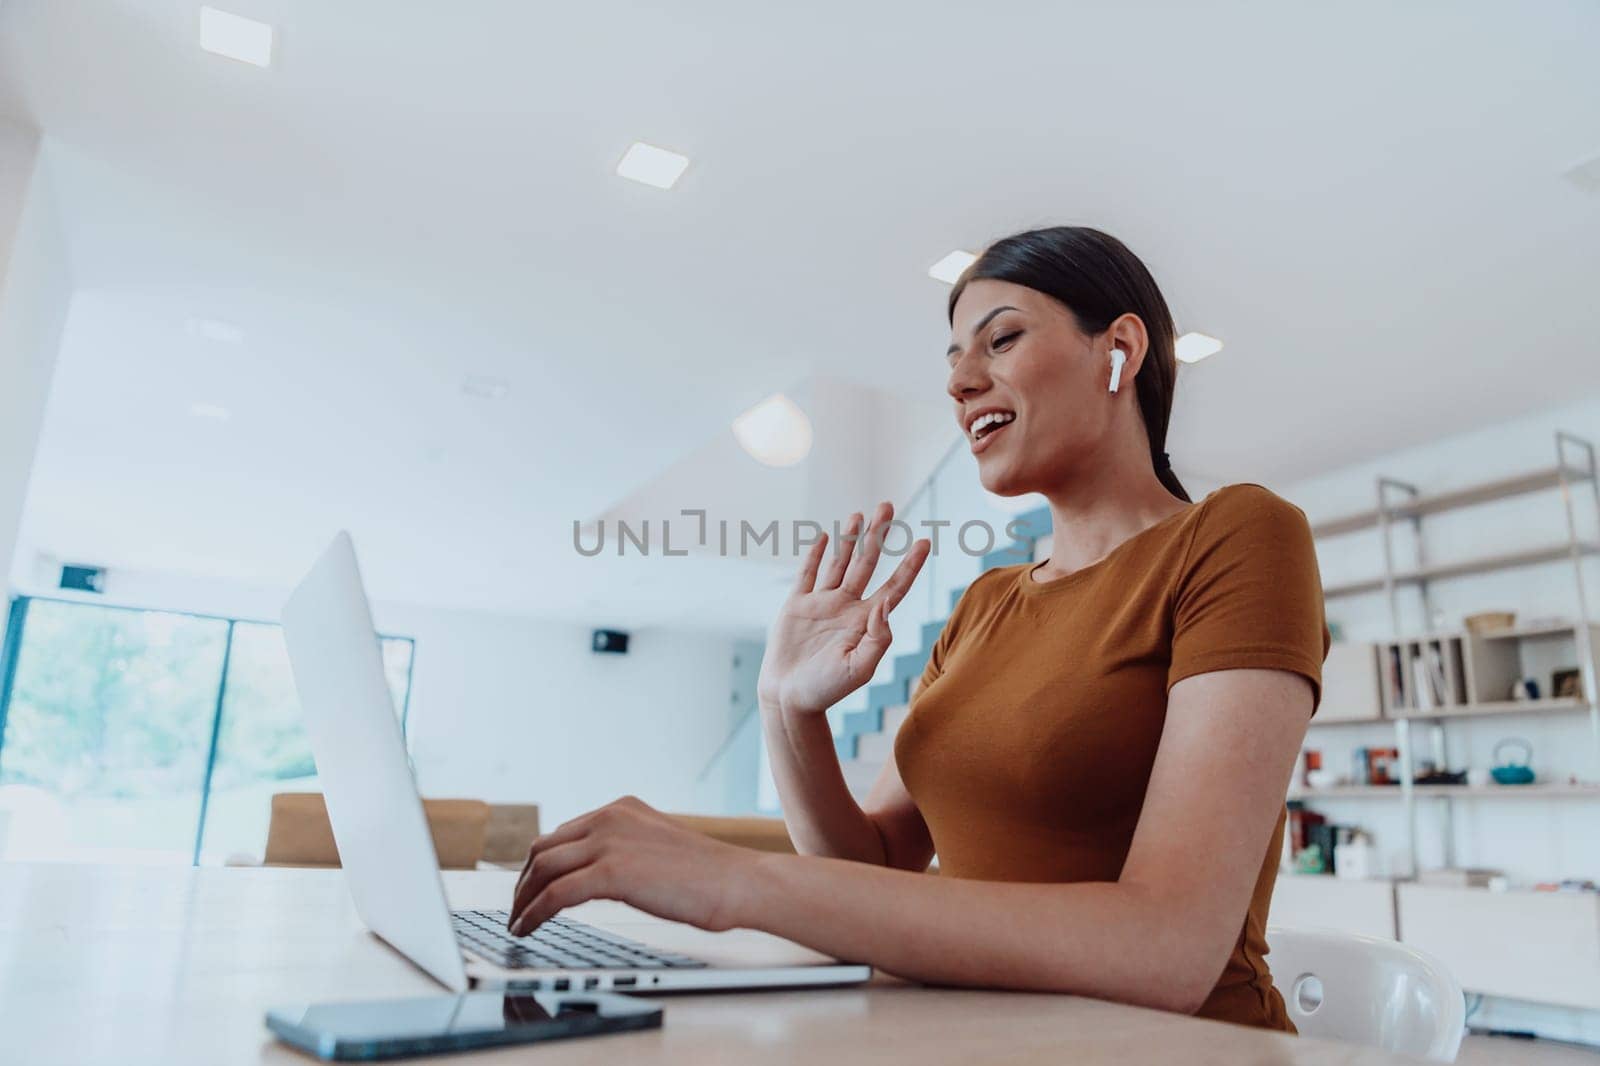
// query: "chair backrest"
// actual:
[[762, 834], [1361, 989], [299, 833], [512, 827]]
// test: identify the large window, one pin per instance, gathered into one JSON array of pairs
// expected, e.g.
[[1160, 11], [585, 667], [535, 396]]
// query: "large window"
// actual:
[[149, 736]]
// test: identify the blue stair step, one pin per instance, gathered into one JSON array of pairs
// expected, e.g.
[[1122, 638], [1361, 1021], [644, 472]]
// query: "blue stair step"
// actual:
[[855, 724], [1010, 556], [862, 722], [1031, 526], [908, 667], [894, 693], [887, 694]]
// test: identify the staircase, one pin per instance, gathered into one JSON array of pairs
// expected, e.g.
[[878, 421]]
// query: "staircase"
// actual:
[[866, 739]]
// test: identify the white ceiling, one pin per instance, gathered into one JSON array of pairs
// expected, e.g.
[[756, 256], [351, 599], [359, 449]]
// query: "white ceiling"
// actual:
[[1365, 203]]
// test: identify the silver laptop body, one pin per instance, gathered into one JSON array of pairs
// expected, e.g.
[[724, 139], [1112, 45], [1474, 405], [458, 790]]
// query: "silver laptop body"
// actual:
[[387, 852]]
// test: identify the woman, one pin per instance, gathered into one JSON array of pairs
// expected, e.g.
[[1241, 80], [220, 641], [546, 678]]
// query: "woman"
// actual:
[[1101, 742]]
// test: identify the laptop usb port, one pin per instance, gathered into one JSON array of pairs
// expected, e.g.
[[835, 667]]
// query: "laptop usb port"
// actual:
[[624, 982], [591, 982], [562, 984]]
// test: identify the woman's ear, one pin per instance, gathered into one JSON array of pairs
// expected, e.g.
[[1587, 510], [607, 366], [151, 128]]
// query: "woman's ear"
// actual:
[[1127, 332]]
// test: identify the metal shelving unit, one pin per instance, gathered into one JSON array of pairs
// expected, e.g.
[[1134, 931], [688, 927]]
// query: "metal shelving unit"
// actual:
[[1553, 553], [1475, 710], [1553, 790], [1487, 492], [1400, 503]]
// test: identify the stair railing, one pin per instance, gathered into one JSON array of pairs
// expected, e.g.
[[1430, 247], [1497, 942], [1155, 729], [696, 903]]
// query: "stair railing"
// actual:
[[928, 490]]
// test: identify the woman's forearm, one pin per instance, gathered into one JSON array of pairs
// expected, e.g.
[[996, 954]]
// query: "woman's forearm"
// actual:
[[822, 817], [1110, 940]]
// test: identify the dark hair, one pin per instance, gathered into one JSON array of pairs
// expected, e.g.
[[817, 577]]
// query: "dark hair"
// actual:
[[1098, 279]]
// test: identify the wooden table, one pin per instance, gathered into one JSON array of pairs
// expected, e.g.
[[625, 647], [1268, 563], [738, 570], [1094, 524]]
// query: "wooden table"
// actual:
[[131, 965]]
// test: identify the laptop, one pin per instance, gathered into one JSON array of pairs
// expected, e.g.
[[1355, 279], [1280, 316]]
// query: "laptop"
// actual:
[[387, 852]]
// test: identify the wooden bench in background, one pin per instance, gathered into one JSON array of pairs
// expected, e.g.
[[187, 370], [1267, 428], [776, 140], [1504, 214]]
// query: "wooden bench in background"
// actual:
[[299, 833], [467, 832]]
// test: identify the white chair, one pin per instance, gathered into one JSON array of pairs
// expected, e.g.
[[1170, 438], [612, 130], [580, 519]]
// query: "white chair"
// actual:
[[1340, 986]]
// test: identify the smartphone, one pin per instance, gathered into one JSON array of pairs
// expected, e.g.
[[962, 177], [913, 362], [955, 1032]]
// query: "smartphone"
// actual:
[[387, 1029]]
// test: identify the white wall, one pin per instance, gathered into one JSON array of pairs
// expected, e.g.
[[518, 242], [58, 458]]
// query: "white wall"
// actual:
[[35, 288], [512, 709]]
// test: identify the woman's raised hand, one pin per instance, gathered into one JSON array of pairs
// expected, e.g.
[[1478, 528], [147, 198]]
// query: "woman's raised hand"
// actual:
[[829, 636]]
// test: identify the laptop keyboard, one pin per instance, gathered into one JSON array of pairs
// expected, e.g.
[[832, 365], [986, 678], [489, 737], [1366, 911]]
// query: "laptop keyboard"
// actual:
[[559, 944]]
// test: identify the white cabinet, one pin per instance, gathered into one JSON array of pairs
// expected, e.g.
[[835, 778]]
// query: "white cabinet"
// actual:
[[1315, 901], [1349, 684], [1539, 946]]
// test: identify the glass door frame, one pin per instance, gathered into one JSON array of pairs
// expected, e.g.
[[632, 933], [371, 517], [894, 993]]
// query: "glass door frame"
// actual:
[[11, 652]]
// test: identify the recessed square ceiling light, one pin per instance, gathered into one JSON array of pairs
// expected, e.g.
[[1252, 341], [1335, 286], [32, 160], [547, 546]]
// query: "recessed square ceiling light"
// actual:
[[1193, 347], [211, 411], [236, 37], [948, 269], [651, 165]]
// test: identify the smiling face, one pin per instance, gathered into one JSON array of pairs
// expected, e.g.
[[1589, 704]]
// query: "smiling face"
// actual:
[[1029, 385]]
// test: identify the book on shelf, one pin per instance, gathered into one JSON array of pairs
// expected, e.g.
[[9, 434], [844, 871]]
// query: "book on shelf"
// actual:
[[1395, 679], [1421, 683], [1420, 679], [1443, 696]]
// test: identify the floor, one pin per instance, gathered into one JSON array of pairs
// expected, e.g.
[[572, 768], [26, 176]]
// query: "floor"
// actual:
[[1498, 1050]]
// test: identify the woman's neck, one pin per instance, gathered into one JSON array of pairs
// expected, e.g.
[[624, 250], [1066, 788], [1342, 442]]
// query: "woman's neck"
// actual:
[[1100, 508]]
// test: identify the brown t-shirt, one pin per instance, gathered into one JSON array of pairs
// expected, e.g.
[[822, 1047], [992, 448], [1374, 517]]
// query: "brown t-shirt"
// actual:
[[1029, 745]]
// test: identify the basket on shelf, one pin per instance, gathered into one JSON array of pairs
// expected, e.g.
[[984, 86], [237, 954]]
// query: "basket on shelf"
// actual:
[[1489, 621]]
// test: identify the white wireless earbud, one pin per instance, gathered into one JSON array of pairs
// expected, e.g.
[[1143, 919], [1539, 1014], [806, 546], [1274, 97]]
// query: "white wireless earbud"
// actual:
[[1118, 357]]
